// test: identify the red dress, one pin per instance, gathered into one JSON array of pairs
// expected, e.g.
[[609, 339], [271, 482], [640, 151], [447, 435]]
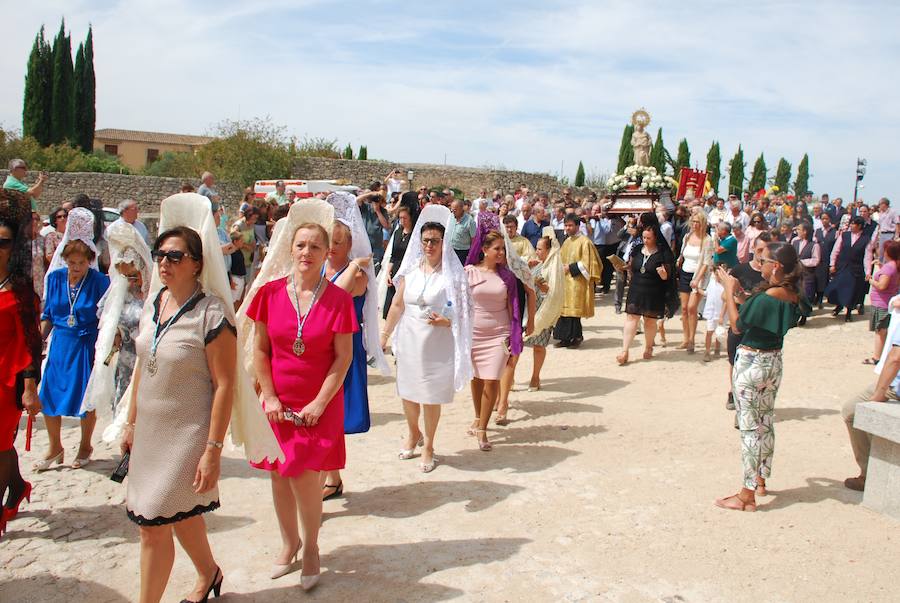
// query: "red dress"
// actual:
[[297, 380], [14, 358]]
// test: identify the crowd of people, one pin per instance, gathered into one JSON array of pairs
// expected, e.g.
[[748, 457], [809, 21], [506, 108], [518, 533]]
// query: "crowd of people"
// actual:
[[218, 337]]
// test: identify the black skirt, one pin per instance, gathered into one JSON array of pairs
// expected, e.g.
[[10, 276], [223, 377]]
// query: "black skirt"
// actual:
[[684, 281], [647, 292]]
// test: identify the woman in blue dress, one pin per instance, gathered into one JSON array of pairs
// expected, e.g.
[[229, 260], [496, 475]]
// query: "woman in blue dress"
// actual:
[[70, 312], [350, 276]]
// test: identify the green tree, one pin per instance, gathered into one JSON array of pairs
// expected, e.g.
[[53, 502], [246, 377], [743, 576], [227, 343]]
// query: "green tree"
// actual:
[[783, 175], [757, 176], [579, 175], [626, 152], [79, 100], [684, 157], [801, 184], [38, 81], [658, 154], [245, 151], [86, 114], [348, 152], [714, 166], [736, 173], [363, 154], [62, 103]]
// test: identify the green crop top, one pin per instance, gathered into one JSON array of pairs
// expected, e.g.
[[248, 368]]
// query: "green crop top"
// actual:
[[764, 320]]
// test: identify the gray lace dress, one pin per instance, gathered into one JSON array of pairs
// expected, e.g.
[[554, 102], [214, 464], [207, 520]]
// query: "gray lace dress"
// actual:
[[129, 322]]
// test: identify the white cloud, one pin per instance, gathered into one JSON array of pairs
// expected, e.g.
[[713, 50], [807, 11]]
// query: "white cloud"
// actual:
[[525, 85]]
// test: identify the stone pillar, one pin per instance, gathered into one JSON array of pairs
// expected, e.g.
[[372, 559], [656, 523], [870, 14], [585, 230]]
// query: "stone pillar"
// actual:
[[882, 421]]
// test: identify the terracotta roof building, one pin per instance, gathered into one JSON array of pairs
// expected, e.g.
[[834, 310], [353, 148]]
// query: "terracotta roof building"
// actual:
[[137, 149]]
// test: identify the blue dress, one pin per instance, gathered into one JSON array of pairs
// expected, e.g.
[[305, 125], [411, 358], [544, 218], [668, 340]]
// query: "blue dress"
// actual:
[[356, 394], [71, 355]]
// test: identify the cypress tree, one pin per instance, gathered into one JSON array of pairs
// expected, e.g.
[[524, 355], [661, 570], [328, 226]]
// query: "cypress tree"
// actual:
[[89, 119], [684, 157], [783, 175], [801, 184], [658, 154], [757, 176], [36, 106], [363, 154], [62, 99], [348, 152], [579, 175], [736, 173], [714, 166], [78, 114], [626, 152]]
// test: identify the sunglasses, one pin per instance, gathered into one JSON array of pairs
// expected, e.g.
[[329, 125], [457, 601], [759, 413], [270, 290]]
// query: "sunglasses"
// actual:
[[62, 216], [174, 257], [5, 243], [430, 242]]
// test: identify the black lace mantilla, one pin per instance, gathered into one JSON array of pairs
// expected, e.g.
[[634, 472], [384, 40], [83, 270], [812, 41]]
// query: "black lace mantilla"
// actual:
[[161, 521]]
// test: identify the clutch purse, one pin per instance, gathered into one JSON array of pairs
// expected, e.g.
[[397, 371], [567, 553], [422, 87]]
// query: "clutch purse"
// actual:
[[122, 470]]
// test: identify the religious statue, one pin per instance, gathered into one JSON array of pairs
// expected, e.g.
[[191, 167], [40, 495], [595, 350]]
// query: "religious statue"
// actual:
[[640, 140]]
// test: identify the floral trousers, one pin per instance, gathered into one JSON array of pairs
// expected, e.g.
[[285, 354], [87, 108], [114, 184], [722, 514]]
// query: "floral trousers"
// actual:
[[755, 380]]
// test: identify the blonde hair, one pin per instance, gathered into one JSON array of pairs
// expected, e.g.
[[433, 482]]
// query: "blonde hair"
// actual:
[[316, 227]]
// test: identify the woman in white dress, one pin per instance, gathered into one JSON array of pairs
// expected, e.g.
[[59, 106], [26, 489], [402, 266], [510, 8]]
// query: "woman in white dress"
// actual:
[[432, 313]]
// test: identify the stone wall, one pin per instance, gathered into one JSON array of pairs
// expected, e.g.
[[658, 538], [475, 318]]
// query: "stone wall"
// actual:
[[149, 191], [469, 180]]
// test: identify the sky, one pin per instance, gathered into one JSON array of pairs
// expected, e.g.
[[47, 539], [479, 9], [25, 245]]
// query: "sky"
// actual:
[[529, 85]]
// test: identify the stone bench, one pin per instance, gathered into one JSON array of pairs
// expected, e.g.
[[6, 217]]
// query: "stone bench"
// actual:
[[882, 422]]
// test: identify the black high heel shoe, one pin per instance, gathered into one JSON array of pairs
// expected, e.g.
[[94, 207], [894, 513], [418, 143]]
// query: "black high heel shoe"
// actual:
[[215, 588]]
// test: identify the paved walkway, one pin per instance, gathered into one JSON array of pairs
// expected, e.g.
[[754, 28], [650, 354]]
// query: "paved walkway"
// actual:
[[600, 489]]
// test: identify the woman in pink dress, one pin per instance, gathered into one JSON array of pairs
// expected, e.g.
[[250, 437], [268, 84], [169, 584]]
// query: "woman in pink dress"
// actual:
[[490, 330], [300, 366]]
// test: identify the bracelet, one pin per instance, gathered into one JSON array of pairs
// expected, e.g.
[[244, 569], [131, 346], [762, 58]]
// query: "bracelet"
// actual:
[[214, 444], [129, 424], [30, 373]]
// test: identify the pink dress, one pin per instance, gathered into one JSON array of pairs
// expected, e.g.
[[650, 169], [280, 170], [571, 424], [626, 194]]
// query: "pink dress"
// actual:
[[297, 380], [490, 327]]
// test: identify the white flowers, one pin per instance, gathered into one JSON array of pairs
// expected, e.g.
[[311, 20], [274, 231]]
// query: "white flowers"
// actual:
[[645, 177]]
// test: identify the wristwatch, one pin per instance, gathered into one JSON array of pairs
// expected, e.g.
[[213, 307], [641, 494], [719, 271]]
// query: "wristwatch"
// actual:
[[214, 444]]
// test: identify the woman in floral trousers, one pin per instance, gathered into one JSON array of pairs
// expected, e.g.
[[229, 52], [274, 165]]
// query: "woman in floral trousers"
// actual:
[[763, 319]]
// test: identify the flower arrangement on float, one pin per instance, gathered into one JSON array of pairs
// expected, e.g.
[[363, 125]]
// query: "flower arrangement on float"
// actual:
[[640, 177]]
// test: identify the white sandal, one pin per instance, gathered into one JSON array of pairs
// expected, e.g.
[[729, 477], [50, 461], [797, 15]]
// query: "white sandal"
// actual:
[[41, 466]]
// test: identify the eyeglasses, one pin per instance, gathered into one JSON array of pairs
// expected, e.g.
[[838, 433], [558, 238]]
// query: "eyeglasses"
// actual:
[[769, 260], [174, 257], [5, 243], [429, 242]]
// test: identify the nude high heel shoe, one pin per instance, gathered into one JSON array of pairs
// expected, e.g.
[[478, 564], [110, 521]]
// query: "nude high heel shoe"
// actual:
[[279, 570]]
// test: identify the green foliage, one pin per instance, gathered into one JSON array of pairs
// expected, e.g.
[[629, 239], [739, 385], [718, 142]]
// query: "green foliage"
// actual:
[[79, 100], [348, 152], [757, 176], [57, 157], [316, 147], [626, 152], [783, 175], [579, 175], [736, 173], [658, 154], [714, 166], [684, 157], [175, 165], [245, 151], [363, 153], [62, 105], [88, 118], [38, 82], [801, 184]]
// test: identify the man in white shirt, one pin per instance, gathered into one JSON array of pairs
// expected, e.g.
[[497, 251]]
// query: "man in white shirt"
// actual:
[[393, 182], [128, 212], [479, 203], [888, 224], [736, 217], [524, 215], [279, 195], [719, 213]]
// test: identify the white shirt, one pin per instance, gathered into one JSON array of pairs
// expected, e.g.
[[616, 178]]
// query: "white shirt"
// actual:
[[742, 219], [393, 186]]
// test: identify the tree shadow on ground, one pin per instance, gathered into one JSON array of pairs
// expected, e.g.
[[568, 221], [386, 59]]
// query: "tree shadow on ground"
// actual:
[[538, 434], [818, 489], [599, 343], [74, 524], [518, 458], [600, 328], [376, 378], [48, 587], [801, 414], [412, 500], [534, 409], [385, 418], [588, 385], [395, 572]]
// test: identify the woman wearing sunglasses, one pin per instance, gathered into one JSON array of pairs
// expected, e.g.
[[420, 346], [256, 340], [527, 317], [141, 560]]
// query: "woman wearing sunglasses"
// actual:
[[72, 290], [762, 322], [301, 330]]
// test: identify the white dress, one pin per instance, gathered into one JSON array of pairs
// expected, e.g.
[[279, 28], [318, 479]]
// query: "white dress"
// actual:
[[424, 353]]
